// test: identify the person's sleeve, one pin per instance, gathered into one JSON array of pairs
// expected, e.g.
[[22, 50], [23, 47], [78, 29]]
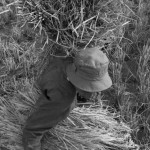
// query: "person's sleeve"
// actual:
[[55, 98]]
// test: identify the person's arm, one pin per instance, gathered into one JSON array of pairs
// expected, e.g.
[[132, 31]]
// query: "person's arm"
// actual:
[[52, 107]]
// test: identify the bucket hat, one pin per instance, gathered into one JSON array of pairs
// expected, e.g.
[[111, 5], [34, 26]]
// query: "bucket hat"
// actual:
[[89, 71]]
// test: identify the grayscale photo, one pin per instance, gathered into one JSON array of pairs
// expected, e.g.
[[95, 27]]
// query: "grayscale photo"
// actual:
[[74, 74]]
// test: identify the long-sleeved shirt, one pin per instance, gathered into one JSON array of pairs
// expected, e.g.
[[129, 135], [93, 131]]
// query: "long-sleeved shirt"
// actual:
[[53, 81], [53, 105]]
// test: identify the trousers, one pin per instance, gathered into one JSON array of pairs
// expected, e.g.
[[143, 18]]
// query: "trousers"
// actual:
[[47, 115]]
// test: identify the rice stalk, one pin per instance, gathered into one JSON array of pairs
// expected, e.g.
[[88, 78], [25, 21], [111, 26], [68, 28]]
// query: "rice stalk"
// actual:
[[77, 24]]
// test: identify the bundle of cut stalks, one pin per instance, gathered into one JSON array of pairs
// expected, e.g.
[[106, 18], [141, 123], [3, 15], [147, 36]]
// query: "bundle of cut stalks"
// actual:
[[90, 128], [75, 24]]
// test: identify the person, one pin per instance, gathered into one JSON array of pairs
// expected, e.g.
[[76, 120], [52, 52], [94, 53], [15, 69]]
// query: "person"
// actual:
[[86, 73]]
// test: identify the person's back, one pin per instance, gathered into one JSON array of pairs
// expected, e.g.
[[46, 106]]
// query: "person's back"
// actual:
[[53, 105], [55, 77], [87, 73]]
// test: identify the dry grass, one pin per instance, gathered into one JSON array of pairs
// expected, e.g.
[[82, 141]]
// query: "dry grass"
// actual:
[[78, 24], [85, 128], [119, 27], [130, 71]]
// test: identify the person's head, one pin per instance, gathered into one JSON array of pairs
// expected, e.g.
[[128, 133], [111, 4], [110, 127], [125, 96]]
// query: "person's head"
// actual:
[[89, 72]]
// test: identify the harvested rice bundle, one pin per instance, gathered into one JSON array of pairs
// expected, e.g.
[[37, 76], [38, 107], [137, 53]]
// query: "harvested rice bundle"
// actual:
[[91, 128], [74, 24]]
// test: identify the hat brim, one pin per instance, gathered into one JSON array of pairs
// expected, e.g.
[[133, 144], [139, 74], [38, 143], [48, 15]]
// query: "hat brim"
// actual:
[[88, 85]]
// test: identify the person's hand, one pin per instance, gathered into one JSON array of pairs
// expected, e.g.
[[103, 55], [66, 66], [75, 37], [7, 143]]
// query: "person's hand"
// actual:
[[84, 94], [87, 96]]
